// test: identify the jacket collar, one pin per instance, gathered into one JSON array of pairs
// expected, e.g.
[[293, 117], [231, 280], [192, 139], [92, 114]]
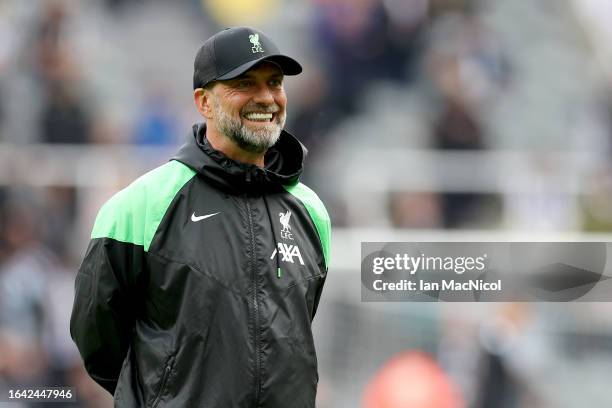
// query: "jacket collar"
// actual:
[[283, 163]]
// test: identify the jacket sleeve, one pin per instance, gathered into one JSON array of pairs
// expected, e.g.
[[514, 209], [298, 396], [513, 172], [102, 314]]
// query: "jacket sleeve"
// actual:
[[109, 284], [103, 314]]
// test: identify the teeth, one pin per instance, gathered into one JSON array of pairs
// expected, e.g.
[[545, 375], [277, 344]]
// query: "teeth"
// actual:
[[258, 116]]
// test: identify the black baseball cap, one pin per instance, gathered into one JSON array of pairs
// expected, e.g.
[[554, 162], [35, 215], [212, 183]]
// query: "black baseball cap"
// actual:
[[233, 51]]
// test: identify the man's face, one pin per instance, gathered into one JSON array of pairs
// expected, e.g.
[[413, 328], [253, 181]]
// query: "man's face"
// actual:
[[250, 109]]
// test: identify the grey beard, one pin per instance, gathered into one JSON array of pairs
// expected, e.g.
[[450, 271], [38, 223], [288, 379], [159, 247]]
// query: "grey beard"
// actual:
[[254, 141]]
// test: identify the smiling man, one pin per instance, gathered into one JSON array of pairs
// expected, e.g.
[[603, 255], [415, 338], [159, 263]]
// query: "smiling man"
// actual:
[[245, 115], [202, 277]]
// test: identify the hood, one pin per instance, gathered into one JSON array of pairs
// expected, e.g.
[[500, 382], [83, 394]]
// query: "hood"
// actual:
[[283, 164]]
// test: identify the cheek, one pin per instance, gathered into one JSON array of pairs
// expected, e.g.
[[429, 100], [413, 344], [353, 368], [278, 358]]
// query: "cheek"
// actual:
[[234, 109], [281, 100], [233, 103]]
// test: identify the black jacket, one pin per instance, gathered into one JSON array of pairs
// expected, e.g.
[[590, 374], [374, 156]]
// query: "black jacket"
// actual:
[[201, 281]]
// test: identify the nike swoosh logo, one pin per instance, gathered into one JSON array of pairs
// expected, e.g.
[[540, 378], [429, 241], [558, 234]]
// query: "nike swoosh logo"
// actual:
[[195, 218]]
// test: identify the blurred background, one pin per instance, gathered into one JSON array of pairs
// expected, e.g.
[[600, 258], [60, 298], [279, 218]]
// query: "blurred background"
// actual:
[[426, 120]]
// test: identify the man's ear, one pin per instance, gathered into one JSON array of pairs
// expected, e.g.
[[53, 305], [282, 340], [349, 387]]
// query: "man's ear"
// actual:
[[203, 102]]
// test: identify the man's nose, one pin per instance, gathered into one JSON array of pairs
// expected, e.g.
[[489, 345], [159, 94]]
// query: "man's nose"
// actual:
[[263, 95]]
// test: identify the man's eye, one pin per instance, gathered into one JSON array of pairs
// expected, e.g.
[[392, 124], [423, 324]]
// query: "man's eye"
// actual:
[[276, 82], [244, 84]]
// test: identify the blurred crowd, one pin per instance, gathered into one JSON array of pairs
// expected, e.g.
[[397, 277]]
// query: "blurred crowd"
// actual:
[[434, 75]]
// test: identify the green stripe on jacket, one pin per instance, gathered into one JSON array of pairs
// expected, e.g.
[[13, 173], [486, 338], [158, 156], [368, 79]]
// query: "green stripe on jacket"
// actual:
[[133, 214], [317, 212]]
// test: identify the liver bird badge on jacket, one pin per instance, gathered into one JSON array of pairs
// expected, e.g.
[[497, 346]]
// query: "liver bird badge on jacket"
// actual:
[[284, 220]]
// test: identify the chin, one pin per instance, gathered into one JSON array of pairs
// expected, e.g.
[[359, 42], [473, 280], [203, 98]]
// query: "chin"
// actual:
[[265, 129]]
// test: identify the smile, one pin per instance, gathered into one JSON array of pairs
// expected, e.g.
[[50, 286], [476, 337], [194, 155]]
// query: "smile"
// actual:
[[259, 117]]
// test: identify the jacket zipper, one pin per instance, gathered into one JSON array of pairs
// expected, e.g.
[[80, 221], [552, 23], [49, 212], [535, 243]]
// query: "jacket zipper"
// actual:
[[162, 384], [255, 305]]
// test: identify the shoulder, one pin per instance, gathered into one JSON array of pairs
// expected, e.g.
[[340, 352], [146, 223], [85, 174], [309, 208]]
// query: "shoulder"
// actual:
[[131, 213], [310, 199], [150, 189], [318, 213]]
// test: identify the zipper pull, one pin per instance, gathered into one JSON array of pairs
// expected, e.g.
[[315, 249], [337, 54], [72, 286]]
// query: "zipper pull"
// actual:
[[278, 272]]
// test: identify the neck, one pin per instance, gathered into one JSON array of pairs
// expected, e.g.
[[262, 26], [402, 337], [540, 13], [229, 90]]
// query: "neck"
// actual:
[[229, 148]]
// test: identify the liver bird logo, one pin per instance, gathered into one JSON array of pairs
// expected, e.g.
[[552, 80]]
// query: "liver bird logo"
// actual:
[[254, 39], [284, 219]]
